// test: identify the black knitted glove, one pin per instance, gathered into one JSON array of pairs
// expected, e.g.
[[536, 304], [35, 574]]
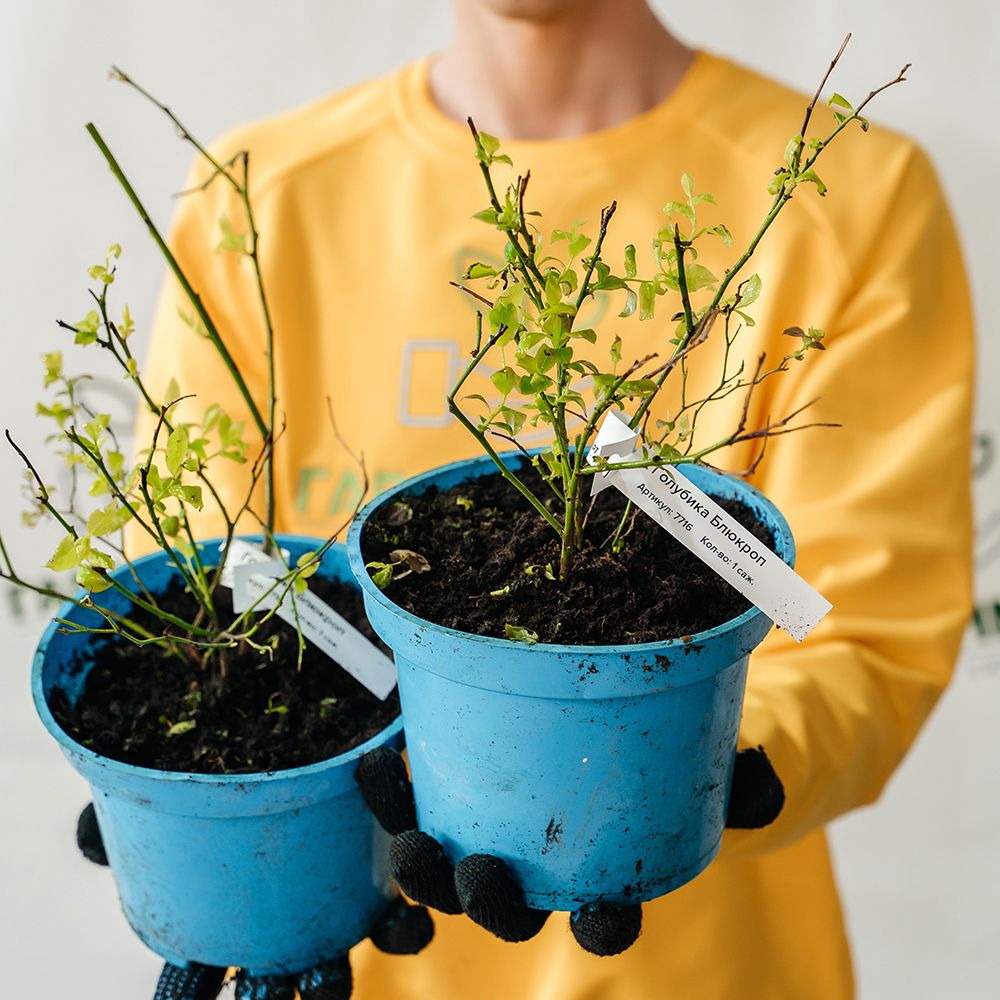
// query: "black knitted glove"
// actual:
[[484, 888], [402, 930]]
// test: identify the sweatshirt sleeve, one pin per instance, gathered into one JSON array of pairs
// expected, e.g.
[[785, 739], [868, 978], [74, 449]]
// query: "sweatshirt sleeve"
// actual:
[[178, 349], [881, 511]]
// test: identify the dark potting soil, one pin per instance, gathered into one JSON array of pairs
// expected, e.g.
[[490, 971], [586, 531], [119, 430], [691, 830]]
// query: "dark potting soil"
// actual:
[[488, 551], [265, 715]]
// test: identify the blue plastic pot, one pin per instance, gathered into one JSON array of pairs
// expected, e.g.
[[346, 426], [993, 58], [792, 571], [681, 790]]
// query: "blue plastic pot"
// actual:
[[274, 872], [596, 772]]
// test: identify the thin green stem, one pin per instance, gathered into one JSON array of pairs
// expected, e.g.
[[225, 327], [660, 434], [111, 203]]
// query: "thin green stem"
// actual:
[[682, 284], [193, 297], [456, 410]]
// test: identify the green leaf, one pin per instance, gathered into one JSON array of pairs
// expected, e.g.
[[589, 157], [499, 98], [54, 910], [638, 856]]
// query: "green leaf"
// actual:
[[588, 335], [512, 419], [191, 495], [382, 575], [687, 183], [310, 563], [126, 327], [698, 277], [631, 301], [97, 426], [603, 383], [794, 144], [191, 320], [630, 261], [52, 363], [177, 449], [65, 556], [639, 387], [465, 503], [616, 351], [180, 728], [487, 215], [106, 520], [750, 290], [679, 208], [505, 380], [170, 526], [520, 634], [608, 283], [91, 580], [478, 270], [489, 143], [231, 240], [778, 181], [723, 233], [86, 329], [647, 300], [93, 557], [503, 313], [811, 177], [840, 101]]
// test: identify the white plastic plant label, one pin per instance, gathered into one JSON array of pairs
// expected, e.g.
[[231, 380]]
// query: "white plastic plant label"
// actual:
[[243, 553], [703, 527], [253, 575]]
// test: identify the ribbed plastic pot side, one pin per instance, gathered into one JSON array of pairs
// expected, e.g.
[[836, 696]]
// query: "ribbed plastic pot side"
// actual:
[[271, 871]]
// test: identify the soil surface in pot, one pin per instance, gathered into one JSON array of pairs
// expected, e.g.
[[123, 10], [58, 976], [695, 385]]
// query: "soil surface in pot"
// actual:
[[492, 559], [265, 716]]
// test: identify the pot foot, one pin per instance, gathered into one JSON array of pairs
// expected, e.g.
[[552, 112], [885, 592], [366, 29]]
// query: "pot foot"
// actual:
[[385, 787], [264, 987], [403, 929], [88, 836], [419, 865], [491, 897], [329, 981], [606, 928], [189, 982], [758, 794]]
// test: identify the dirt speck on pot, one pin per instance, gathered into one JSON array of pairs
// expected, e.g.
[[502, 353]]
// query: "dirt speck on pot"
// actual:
[[553, 834]]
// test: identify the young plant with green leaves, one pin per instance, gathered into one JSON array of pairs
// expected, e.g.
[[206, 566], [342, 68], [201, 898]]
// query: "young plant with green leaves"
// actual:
[[174, 475], [527, 325]]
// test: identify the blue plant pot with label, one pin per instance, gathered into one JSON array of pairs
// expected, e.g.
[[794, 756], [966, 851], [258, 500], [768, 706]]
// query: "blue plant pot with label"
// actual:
[[274, 872], [595, 772]]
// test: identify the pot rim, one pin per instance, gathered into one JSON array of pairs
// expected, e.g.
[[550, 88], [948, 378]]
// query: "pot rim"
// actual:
[[784, 549], [253, 778]]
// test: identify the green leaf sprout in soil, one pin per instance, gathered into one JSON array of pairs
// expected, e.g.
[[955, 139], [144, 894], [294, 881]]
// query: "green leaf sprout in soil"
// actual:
[[552, 373], [173, 475]]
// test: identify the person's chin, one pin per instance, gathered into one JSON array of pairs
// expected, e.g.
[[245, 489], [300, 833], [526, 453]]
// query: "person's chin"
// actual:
[[530, 10]]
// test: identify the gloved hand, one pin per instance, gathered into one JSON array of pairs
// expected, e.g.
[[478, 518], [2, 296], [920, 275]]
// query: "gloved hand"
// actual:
[[483, 887], [402, 930]]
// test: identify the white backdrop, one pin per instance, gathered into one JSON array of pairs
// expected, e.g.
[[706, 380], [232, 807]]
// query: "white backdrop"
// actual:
[[919, 870]]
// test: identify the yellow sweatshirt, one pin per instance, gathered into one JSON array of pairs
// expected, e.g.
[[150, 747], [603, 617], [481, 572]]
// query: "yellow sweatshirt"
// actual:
[[364, 201]]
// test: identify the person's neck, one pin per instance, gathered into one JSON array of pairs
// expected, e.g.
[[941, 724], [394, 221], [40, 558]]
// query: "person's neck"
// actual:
[[518, 79]]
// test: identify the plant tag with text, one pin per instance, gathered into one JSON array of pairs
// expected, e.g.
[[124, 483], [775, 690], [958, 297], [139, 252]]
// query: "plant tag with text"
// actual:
[[253, 578], [703, 527]]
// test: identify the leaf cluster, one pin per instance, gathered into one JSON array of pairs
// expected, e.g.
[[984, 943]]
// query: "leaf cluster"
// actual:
[[552, 372]]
